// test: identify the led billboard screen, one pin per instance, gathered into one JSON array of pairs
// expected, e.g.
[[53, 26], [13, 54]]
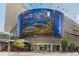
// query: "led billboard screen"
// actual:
[[43, 22]]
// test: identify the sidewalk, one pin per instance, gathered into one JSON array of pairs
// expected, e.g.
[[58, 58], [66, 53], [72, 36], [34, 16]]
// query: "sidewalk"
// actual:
[[38, 54]]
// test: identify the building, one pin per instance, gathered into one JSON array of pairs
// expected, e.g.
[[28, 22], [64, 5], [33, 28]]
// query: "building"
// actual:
[[43, 28], [71, 30], [12, 12], [3, 41]]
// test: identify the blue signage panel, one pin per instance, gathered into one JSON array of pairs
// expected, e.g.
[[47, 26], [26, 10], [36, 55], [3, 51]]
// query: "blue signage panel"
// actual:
[[19, 26], [43, 22], [58, 24]]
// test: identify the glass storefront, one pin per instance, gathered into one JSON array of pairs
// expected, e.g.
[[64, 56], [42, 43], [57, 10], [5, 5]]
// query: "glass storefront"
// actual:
[[46, 48]]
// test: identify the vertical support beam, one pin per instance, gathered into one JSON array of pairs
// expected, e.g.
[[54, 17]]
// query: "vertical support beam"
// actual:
[[9, 44], [60, 48], [51, 48], [37, 48]]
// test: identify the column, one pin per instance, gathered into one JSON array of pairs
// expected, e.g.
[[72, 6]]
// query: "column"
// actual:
[[37, 48], [51, 47], [46, 48], [60, 48]]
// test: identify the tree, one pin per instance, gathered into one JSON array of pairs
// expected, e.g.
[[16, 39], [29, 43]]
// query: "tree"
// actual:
[[72, 46], [18, 43], [64, 45]]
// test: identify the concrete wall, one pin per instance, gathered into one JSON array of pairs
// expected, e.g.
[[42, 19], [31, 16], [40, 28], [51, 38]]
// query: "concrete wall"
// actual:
[[12, 12], [71, 30]]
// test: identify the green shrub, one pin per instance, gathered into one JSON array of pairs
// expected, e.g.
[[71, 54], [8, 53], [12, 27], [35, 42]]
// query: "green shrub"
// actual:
[[64, 45], [18, 43], [72, 46]]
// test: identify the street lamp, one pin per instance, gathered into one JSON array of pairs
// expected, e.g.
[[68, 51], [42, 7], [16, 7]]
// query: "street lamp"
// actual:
[[9, 40]]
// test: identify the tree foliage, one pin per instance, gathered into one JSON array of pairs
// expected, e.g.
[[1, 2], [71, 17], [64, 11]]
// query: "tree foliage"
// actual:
[[64, 44], [18, 43], [72, 46]]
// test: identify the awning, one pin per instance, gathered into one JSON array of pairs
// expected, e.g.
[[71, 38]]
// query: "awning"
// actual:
[[27, 41]]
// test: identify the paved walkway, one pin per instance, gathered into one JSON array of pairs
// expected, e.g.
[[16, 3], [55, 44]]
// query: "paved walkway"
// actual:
[[38, 54]]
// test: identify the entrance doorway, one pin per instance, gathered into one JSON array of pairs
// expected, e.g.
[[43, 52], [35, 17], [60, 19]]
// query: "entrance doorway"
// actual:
[[44, 48], [56, 47]]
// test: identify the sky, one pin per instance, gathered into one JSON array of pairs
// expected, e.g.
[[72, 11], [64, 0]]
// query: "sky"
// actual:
[[2, 16], [69, 9]]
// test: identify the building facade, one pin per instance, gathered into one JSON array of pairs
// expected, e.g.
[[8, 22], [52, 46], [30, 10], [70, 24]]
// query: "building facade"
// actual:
[[42, 29]]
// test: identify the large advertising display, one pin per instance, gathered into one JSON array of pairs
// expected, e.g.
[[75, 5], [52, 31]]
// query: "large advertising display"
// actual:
[[44, 22]]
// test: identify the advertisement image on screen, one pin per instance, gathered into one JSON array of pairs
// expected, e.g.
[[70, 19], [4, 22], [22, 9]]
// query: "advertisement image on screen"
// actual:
[[40, 22], [37, 24]]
